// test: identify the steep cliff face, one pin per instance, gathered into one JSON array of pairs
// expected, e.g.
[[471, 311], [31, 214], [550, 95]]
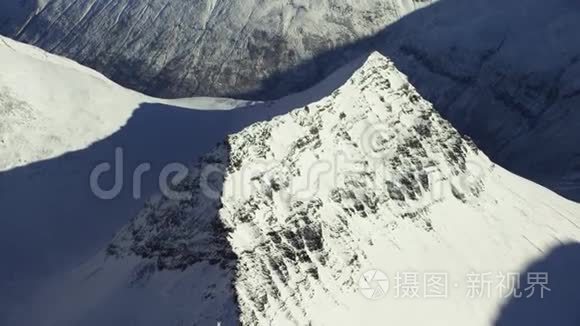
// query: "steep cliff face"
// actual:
[[281, 223], [203, 47]]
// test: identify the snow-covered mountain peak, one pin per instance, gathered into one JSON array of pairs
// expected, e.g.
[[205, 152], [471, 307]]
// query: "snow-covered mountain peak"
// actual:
[[283, 222], [288, 214], [372, 141], [373, 132], [478, 62], [369, 157]]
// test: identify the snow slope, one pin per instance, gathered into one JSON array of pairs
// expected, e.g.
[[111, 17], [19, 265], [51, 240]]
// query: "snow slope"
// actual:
[[174, 48], [280, 223], [50, 105], [58, 121]]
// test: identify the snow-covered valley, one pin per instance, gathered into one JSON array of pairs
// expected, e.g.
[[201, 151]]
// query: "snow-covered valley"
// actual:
[[278, 223]]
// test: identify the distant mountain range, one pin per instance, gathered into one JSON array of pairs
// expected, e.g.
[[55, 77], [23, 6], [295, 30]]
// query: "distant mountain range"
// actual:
[[503, 72], [181, 48]]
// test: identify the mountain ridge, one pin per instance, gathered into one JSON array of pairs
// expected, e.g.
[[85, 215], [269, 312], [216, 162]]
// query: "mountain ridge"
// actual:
[[293, 247], [477, 62]]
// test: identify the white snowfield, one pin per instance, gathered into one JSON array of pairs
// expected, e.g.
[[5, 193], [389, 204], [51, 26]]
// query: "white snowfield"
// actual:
[[58, 121], [51, 105], [282, 223], [504, 72]]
